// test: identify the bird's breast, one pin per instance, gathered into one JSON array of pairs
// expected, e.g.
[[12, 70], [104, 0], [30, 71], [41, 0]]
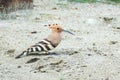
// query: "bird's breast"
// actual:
[[55, 38]]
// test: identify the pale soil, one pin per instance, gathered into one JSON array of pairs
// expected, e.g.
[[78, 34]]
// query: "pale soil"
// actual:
[[92, 54]]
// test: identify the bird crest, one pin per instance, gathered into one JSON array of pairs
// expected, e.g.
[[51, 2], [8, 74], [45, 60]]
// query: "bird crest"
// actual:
[[55, 27]]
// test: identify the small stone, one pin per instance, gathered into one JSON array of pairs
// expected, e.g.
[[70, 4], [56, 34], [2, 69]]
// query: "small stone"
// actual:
[[54, 8], [99, 52], [111, 54], [107, 79], [113, 42], [89, 49], [33, 32], [70, 74], [19, 67], [94, 44], [57, 62], [58, 70], [73, 52], [35, 71], [90, 75], [11, 51], [74, 8], [89, 54], [84, 66], [88, 32], [40, 67], [105, 55], [95, 50], [107, 19], [118, 27], [0, 63], [43, 71], [37, 18]]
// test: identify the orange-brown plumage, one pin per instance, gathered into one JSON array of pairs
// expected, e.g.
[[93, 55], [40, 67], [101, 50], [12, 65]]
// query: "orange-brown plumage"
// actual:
[[56, 28]]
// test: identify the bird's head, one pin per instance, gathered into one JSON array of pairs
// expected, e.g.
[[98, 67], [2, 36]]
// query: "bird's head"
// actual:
[[57, 28]]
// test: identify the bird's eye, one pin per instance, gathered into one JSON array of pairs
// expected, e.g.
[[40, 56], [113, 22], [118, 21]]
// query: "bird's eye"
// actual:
[[57, 28]]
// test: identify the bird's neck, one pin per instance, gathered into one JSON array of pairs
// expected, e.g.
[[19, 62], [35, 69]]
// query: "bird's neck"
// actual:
[[56, 35], [55, 38]]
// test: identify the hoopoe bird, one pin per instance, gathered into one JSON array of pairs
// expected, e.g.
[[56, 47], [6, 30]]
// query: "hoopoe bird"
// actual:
[[47, 44]]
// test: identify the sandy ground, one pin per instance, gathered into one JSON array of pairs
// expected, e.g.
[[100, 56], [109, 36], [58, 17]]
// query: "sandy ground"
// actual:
[[92, 54]]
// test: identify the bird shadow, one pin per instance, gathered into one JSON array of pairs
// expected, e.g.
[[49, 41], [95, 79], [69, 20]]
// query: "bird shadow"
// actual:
[[49, 54], [67, 52], [37, 54]]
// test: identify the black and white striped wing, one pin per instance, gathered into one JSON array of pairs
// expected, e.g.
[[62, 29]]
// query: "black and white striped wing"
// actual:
[[42, 46]]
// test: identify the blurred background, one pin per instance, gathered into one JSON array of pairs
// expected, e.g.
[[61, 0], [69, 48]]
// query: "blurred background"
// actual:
[[9, 9]]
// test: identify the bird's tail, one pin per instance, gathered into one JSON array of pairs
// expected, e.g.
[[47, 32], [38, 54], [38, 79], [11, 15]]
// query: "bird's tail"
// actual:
[[24, 53]]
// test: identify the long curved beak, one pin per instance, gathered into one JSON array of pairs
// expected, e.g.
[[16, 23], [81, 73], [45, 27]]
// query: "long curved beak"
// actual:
[[68, 32]]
